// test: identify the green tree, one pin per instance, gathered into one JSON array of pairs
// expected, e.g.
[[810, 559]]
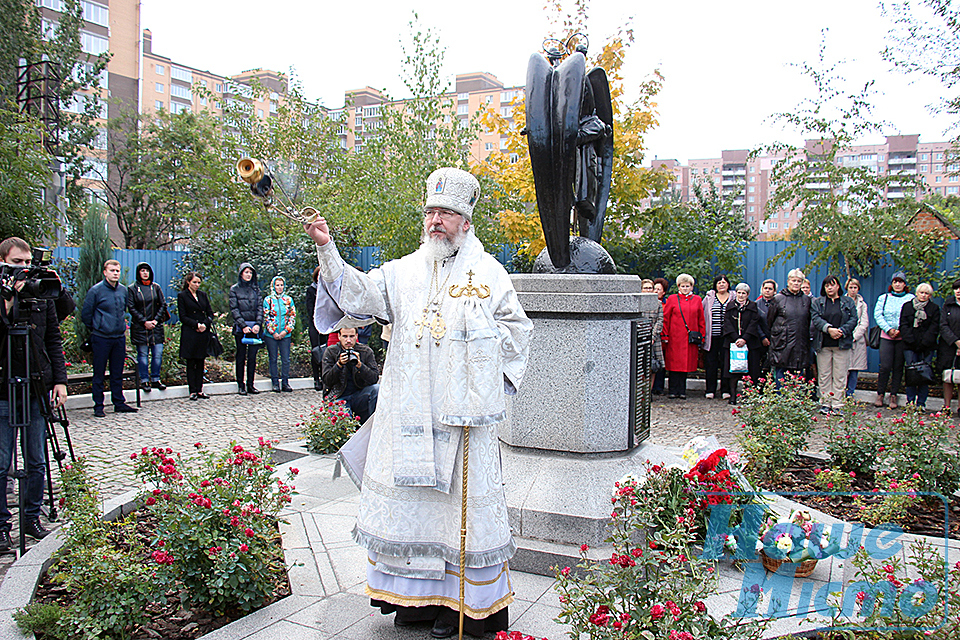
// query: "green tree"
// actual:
[[94, 251], [169, 179], [377, 195], [25, 168], [848, 223], [703, 238]]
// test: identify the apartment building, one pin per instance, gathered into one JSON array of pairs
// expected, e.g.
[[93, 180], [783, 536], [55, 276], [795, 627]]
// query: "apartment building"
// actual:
[[735, 174]]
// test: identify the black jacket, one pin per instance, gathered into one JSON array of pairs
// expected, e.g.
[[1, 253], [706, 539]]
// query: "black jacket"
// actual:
[[146, 302], [192, 312], [922, 339], [45, 341], [743, 322], [949, 333], [246, 304], [788, 318], [334, 381], [311, 302]]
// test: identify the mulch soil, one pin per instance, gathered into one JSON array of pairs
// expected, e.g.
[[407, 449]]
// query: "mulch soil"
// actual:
[[173, 619], [926, 518]]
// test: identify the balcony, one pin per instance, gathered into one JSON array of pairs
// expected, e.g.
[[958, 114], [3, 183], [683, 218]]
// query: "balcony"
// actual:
[[734, 172]]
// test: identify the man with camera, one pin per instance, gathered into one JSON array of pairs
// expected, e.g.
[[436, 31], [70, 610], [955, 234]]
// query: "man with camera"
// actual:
[[103, 314], [350, 374], [46, 365]]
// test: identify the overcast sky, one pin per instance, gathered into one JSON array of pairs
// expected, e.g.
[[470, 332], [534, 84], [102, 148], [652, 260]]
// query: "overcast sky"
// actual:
[[727, 65]]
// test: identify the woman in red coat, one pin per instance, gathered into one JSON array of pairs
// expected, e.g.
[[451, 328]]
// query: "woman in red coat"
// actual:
[[682, 314]]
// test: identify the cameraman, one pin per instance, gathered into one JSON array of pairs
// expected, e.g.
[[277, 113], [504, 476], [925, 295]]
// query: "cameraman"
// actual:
[[46, 360], [350, 374]]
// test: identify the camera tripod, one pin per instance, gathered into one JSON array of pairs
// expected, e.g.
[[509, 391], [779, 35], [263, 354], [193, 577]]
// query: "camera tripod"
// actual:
[[24, 386]]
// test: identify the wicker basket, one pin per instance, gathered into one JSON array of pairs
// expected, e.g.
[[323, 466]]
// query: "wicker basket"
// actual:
[[804, 569]]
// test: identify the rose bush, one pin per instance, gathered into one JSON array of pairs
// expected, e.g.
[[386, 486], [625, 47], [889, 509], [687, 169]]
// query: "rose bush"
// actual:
[[328, 426]]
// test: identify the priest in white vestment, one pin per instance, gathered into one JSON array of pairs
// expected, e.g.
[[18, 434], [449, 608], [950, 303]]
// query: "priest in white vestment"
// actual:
[[459, 346]]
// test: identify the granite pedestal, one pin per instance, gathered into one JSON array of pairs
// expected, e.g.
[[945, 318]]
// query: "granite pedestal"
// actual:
[[572, 431]]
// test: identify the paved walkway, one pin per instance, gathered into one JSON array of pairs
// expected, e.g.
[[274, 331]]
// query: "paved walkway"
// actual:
[[327, 568]]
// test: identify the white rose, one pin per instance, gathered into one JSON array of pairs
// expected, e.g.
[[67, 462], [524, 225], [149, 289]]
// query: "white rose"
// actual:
[[785, 544]]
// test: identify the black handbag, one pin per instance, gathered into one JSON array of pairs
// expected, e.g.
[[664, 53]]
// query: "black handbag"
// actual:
[[693, 337], [214, 348], [873, 337], [918, 373]]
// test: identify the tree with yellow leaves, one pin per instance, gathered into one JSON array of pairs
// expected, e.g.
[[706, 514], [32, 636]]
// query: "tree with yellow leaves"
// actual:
[[632, 182]]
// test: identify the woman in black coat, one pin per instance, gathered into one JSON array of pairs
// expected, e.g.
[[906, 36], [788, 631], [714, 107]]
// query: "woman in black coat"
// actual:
[[920, 330], [315, 341], [741, 326], [950, 342], [196, 318]]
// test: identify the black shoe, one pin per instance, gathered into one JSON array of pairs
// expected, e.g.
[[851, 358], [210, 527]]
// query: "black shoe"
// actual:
[[35, 530], [124, 408], [204, 396], [286, 388], [317, 386], [252, 390], [193, 396], [145, 386], [682, 396], [276, 388], [98, 413], [5, 543], [243, 390], [443, 630], [159, 386]]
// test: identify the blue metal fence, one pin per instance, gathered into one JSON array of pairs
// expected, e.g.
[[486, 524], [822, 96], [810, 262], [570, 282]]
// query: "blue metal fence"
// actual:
[[163, 264]]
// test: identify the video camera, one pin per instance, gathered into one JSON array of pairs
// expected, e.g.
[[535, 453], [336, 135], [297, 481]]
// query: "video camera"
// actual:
[[41, 283]]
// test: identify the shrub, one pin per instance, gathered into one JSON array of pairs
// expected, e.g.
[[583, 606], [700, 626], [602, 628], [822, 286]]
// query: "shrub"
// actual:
[[833, 479], [854, 438], [919, 444], [776, 423], [101, 566], [653, 585], [329, 426], [892, 505], [217, 522]]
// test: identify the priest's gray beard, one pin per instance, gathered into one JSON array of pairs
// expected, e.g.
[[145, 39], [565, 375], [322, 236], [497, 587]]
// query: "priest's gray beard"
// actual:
[[440, 248]]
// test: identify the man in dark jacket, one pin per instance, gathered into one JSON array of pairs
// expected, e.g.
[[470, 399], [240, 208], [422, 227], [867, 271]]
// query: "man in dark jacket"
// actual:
[[46, 359], [103, 314], [148, 312], [350, 374], [788, 319]]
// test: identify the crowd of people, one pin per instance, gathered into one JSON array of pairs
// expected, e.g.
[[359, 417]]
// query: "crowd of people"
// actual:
[[792, 331]]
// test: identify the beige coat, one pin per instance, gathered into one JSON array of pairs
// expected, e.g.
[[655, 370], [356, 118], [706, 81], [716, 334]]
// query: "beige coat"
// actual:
[[858, 357]]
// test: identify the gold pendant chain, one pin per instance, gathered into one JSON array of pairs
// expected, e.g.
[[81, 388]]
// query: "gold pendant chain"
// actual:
[[437, 326]]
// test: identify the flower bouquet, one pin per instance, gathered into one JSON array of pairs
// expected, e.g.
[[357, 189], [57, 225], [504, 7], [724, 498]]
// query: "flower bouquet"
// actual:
[[796, 538]]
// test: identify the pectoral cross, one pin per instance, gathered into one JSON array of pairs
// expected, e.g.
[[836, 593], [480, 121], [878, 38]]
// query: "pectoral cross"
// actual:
[[420, 324]]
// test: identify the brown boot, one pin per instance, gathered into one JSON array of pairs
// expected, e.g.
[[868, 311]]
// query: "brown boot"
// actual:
[[879, 401]]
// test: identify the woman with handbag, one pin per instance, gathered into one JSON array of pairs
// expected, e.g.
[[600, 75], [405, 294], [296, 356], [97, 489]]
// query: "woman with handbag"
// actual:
[[280, 317], [196, 319], [858, 354], [714, 308], [741, 330], [920, 329], [833, 317], [247, 314], [949, 356], [886, 313], [683, 329]]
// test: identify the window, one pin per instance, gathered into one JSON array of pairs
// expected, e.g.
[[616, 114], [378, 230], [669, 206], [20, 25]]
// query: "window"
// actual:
[[273, 109], [488, 100], [923, 156], [100, 142], [371, 112], [203, 83], [503, 145], [159, 87], [753, 179], [463, 110], [184, 75], [178, 107], [953, 190], [160, 70], [750, 219], [938, 167], [751, 189], [463, 96], [358, 148], [505, 112], [159, 105], [786, 225], [772, 215], [752, 170], [488, 146], [750, 209], [939, 156], [936, 179], [97, 169], [514, 158], [952, 178], [96, 13], [181, 91], [507, 96], [56, 5], [219, 88], [260, 115], [751, 199], [203, 103], [358, 123], [92, 44], [924, 168], [772, 225]]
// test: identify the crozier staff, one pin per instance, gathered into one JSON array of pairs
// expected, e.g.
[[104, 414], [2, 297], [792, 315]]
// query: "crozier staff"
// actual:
[[459, 345]]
